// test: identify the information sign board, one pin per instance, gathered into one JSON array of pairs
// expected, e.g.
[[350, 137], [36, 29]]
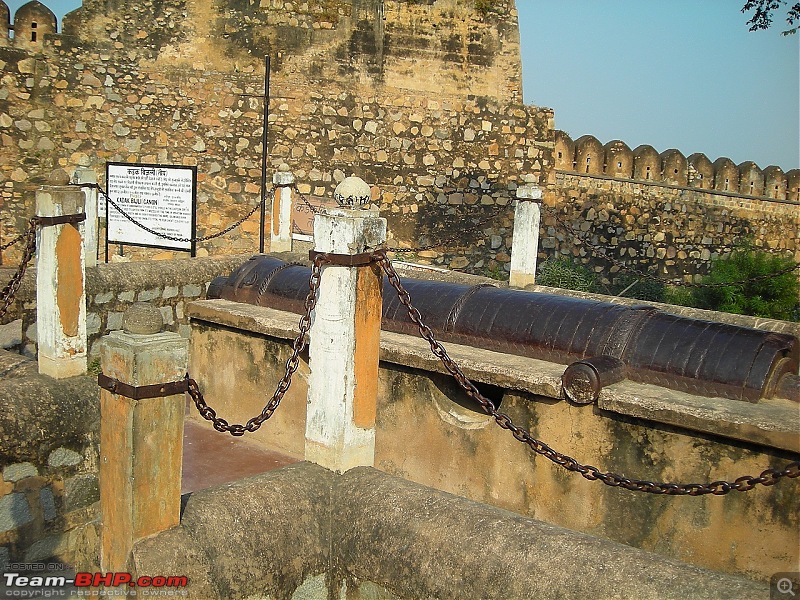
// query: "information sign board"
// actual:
[[163, 198]]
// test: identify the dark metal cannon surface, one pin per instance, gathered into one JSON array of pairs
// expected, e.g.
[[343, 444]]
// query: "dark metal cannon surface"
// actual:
[[602, 342]]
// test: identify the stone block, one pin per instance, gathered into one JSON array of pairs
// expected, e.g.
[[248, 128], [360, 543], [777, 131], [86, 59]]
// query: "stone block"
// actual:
[[80, 491], [14, 512], [48, 503], [128, 296], [147, 295], [167, 315], [104, 298], [63, 457], [170, 291], [192, 290], [93, 323], [114, 322], [19, 471], [11, 334]]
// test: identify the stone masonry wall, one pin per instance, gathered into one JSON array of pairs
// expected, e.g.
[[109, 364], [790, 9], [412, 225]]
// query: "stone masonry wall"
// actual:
[[48, 471], [113, 288], [670, 230], [422, 100]]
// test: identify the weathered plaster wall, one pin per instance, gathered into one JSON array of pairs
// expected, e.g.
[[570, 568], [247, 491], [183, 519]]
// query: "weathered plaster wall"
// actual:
[[427, 432]]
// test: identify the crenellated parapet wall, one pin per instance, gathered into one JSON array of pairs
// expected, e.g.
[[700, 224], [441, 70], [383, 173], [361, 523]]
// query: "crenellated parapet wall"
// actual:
[[588, 156]]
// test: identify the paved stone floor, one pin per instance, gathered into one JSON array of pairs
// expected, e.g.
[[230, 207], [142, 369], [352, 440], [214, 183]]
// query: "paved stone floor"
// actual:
[[211, 458]]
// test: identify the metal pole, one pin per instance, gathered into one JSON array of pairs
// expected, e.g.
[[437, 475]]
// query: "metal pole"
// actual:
[[264, 138]]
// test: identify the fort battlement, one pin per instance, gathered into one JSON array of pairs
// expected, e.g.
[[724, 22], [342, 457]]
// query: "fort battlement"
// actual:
[[587, 155], [32, 22]]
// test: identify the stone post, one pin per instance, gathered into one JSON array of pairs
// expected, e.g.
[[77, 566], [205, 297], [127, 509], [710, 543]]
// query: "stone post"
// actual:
[[141, 441], [281, 239], [526, 234], [345, 335], [87, 175], [60, 281]]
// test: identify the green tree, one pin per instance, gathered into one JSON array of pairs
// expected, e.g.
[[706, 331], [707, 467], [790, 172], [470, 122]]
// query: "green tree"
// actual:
[[762, 11], [761, 284]]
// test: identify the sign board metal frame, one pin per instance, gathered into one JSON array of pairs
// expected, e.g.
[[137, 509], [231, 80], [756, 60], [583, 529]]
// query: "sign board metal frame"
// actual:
[[151, 197]]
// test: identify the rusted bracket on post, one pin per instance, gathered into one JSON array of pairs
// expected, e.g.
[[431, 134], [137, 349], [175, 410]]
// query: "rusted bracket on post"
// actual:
[[60, 220], [142, 392], [347, 260]]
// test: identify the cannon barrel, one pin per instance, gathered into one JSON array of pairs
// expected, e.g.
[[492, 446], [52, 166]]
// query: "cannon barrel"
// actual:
[[641, 343]]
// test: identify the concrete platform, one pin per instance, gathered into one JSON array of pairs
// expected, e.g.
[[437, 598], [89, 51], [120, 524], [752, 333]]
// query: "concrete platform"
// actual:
[[211, 458]]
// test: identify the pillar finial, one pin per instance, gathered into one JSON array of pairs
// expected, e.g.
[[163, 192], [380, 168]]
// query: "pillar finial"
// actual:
[[142, 318], [353, 192]]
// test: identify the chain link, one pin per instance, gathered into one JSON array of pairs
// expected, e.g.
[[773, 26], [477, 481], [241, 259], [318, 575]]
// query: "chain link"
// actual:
[[16, 240], [315, 210], [600, 253], [10, 290], [718, 488], [172, 238], [292, 365]]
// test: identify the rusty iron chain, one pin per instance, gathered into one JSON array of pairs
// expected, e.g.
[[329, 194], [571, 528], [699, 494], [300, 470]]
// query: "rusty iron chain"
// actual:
[[173, 238], [292, 365], [600, 253], [10, 290], [16, 240], [315, 210], [742, 484]]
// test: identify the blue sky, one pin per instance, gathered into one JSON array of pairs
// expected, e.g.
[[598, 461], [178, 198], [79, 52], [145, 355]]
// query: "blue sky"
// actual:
[[682, 74]]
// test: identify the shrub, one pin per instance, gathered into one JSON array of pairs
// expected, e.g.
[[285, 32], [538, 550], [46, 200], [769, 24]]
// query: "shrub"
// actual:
[[631, 286], [484, 6], [564, 273], [775, 296]]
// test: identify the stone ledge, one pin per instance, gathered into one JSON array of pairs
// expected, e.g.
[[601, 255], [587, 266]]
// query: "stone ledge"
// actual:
[[302, 532], [774, 424]]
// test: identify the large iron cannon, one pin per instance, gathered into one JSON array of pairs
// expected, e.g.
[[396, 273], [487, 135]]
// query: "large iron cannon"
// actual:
[[601, 342]]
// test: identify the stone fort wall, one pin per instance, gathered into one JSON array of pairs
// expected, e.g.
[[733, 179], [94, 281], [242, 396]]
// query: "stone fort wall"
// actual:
[[664, 212], [421, 99]]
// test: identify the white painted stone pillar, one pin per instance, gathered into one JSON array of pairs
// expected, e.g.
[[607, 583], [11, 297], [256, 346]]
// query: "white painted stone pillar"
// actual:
[[87, 175], [345, 335], [60, 281], [525, 247], [281, 238]]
